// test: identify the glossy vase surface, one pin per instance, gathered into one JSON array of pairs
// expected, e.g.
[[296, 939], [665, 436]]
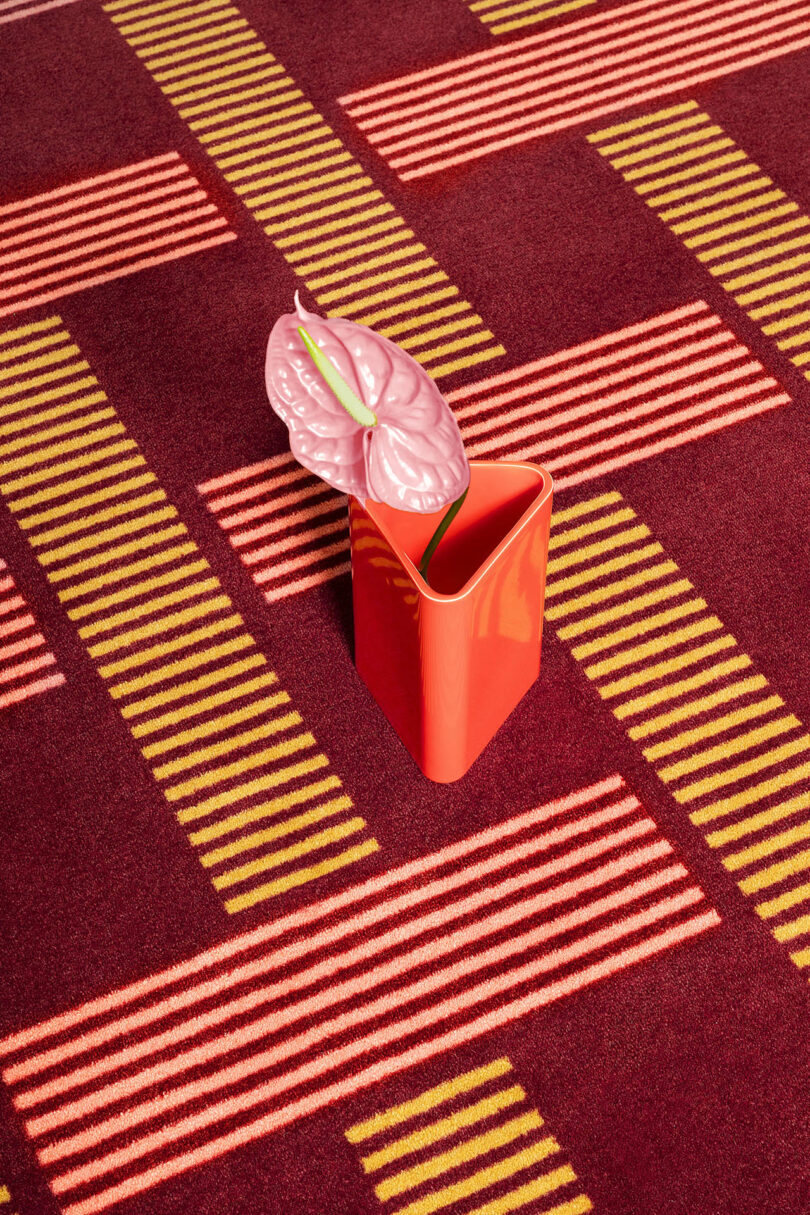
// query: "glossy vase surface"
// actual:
[[447, 663]]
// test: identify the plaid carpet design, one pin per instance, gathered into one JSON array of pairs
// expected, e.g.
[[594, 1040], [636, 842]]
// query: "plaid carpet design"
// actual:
[[251, 959]]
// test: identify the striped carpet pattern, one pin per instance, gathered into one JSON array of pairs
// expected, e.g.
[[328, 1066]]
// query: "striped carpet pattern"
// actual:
[[92, 231], [221, 737], [582, 412], [503, 16], [27, 666], [621, 398], [472, 1137], [185, 1065], [310, 195], [713, 728], [747, 232], [604, 63], [15, 10], [289, 527]]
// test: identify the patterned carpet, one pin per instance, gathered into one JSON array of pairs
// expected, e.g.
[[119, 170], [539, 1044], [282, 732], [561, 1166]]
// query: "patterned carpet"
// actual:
[[251, 961]]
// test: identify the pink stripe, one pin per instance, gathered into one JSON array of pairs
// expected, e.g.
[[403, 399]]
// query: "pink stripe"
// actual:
[[536, 91], [175, 188], [281, 506], [31, 689], [666, 444], [243, 474], [426, 1019], [626, 436], [39, 8], [628, 81], [280, 568], [658, 402], [79, 187], [384, 1068], [297, 539], [304, 584], [575, 33], [574, 354], [367, 1011], [95, 263], [294, 922], [719, 401], [21, 647], [14, 626], [121, 220], [144, 264], [633, 98], [396, 936], [668, 368], [27, 668], [10, 605]]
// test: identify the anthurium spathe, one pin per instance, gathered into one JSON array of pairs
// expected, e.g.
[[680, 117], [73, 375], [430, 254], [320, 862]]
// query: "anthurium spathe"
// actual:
[[363, 415]]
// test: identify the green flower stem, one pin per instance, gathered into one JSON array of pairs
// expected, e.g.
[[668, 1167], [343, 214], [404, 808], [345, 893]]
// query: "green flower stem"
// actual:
[[348, 399], [449, 516]]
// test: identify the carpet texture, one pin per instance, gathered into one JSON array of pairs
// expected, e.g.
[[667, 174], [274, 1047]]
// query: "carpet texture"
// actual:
[[251, 960]]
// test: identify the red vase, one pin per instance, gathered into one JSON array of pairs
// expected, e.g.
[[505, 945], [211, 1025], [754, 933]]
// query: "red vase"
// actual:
[[447, 663]]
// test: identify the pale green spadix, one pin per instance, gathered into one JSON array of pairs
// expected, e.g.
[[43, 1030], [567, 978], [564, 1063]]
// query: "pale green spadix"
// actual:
[[347, 397]]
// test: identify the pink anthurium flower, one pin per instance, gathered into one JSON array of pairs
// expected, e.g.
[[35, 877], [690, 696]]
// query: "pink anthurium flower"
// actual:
[[363, 415]]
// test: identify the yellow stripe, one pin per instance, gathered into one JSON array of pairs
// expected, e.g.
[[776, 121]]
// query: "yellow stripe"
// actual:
[[423, 318], [58, 470], [157, 627], [239, 39], [235, 822], [627, 607], [38, 433], [711, 200], [801, 958], [756, 822], [588, 551], [411, 287], [786, 304], [765, 272], [533, 18], [772, 907], [776, 873], [264, 99], [794, 280], [41, 360], [425, 298], [719, 214], [559, 585], [650, 674], [689, 792], [572, 534], [747, 797], [24, 331], [679, 687], [428, 355], [99, 539], [469, 360], [128, 571], [515, 1199], [600, 594], [299, 742], [774, 843], [339, 248], [299, 877], [667, 641], [355, 270], [417, 1141], [104, 516], [679, 158], [43, 455], [148, 608], [699, 186], [178, 666], [764, 254], [428, 1100], [756, 220], [795, 928], [493, 1174], [753, 238], [37, 381], [799, 339], [155, 652], [191, 688], [234, 64], [137, 589], [64, 488], [335, 225], [652, 150], [248, 842], [227, 745], [30, 421], [591, 506], [731, 746], [717, 725], [23, 405], [462, 1153], [115, 554], [635, 124], [218, 725], [639, 627], [646, 136], [688, 174], [261, 784]]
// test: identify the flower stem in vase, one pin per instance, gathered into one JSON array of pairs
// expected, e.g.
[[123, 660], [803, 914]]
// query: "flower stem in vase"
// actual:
[[433, 544]]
